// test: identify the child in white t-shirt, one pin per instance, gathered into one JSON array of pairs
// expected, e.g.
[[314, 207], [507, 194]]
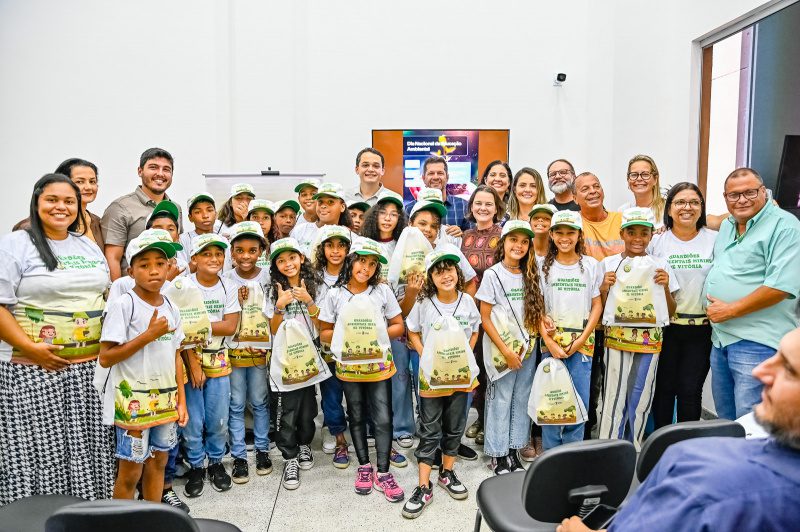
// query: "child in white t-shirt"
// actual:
[[513, 284], [571, 290], [144, 393], [208, 397], [248, 350], [443, 411]]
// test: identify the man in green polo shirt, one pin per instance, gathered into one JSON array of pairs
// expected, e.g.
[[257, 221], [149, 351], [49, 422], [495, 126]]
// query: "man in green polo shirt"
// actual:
[[751, 290], [126, 216]]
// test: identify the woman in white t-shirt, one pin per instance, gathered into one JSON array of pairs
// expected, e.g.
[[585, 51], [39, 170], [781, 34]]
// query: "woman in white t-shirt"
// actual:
[[688, 246], [51, 299]]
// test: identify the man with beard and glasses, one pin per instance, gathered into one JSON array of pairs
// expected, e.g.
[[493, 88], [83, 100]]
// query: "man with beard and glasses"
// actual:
[[126, 217], [560, 181], [729, 484]]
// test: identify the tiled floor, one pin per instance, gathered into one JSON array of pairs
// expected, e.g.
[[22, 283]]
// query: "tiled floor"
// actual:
[[326, 500]]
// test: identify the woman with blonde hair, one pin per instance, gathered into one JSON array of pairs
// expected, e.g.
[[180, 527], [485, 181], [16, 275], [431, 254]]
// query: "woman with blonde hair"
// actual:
[[643, 181], [527, 190]]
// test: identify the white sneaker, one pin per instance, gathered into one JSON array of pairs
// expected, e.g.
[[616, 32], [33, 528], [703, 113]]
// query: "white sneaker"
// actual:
[[328, 442], [406, 442]]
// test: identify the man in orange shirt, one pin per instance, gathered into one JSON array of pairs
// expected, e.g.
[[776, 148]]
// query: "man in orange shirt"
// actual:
[[601, 235]]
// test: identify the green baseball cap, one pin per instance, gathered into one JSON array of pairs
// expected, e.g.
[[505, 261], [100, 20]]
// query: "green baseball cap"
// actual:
[[425, 205], [430, 194], [390, 196], [152, 239], [208, 239], [334, 190], [313, 183], [569, 218], [247, 228], [326, 232], [289, 203], [367, 246], [203, 196], [242, 188], [543, 207], [261, 204], [168, 207], [442, 252], [517, 225], [283, 244], [358, 204], [638, 216]]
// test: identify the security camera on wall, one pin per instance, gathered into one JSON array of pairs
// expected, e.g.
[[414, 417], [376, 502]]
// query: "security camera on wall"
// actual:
[[560, 78]]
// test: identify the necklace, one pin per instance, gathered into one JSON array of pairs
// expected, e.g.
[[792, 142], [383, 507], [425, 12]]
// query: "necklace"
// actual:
[[513, 268]]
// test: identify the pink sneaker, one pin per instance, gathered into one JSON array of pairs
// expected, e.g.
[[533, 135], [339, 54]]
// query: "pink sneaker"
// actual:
[[386, 483], [364, 480]]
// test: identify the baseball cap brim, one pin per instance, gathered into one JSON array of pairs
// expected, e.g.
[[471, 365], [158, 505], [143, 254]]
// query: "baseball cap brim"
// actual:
[[434, 206], [167, 207], [201, 197], [391, 199], [283, 249], [249, 234], [167, 248], [446, 256], [540, 209], [381, 258], [261, 208], [319, 195], [292, 204], [301, 186], [527, 231], [637, 222], [362, 205], [566, 224], [218, 243]]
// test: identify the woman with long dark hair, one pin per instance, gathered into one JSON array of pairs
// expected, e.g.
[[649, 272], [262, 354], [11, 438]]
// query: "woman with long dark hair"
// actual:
[[84, 174], [688, 246], [53, 280]]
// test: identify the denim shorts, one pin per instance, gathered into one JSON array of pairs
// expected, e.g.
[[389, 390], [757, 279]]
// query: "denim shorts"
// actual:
[[159, 438]]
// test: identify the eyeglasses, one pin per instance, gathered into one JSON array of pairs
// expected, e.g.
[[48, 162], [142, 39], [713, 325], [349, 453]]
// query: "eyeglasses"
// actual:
[[751, 194], [680, 204], [639, 176], [389, 214], [562, 173]]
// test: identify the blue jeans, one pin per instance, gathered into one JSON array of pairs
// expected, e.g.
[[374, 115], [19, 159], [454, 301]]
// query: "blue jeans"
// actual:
[[249, 385], [404, 380], [735, 389], [507, 425], [209, 409], [580, 369], [332, 410], [138, 449]]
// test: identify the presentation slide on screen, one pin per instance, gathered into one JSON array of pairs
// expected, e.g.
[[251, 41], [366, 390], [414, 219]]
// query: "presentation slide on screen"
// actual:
[[459, 148]]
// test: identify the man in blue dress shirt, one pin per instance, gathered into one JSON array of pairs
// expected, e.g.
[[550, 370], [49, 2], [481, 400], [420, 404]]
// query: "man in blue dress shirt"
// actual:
[[435, 175], [729, 484]]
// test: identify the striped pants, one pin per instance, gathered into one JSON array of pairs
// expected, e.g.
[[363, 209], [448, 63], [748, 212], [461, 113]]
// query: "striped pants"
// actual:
[[628, 390]]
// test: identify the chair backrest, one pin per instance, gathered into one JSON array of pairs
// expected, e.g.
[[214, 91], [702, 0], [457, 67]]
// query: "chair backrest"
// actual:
[[563, 473], [655, 445], [120, 516]]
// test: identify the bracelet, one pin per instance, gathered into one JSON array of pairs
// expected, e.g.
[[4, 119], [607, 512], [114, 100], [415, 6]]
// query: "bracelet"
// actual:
[[315, 314]]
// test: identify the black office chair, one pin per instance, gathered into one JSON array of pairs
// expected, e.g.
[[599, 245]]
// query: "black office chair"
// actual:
[[655, 445], [129, 516], [568, 480], [29, 514]]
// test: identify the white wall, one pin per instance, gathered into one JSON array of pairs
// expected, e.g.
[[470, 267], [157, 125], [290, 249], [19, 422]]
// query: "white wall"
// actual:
[[236, 86]]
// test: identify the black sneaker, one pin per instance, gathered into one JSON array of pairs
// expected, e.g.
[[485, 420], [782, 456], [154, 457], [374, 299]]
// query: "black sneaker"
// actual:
[[449, 481], [171, 498], [220, 479], [466, 453], [513, 461], [240, 473], [196, 479], [291, 474], [500, 465], [420, 498], [437, 460], [263, 463], [304, 458]]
